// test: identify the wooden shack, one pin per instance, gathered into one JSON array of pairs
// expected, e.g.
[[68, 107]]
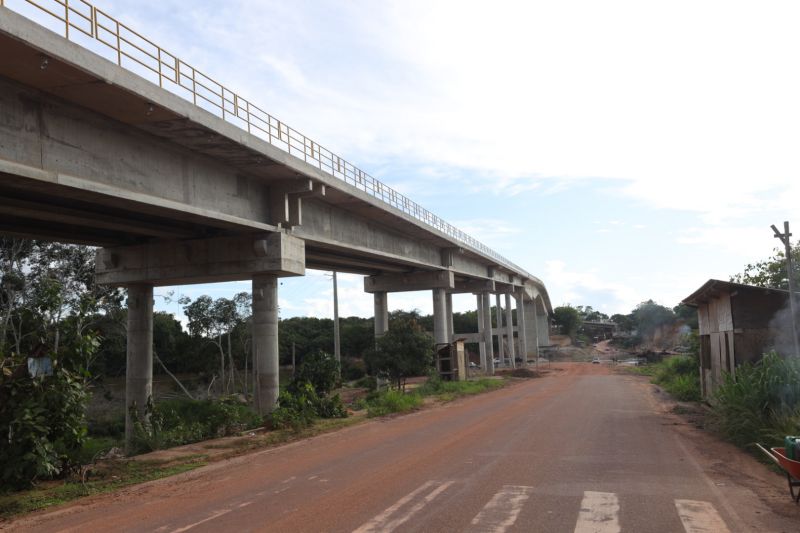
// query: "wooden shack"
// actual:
[[737, 324]]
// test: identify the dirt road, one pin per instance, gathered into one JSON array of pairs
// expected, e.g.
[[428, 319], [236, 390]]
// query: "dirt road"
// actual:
[[583, 449]]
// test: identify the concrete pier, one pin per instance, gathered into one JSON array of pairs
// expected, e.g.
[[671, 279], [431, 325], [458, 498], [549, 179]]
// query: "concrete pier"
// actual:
[[449, 306], [510, 332], [481, 344], [487, 332], [381, 303], [440, 319], [498, 311], [139, 372], [521, 329], [265, 342]]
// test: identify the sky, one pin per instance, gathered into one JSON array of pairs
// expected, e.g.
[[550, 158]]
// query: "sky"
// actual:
[[619, 151]]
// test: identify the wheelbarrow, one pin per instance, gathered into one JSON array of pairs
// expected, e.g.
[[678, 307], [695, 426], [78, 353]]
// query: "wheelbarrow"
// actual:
[[790, 467]]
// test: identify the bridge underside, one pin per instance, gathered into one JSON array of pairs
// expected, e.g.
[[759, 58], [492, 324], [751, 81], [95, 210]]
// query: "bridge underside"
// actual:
[[90, 153]]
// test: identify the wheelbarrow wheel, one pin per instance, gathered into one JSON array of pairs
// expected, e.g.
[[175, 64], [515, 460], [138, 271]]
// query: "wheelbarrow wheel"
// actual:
[[792, 485]]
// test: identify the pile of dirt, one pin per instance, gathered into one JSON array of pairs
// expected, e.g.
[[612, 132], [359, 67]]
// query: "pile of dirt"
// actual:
[[524, 373]]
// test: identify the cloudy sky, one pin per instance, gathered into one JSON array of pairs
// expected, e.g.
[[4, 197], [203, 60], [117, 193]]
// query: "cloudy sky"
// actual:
[[619, 151]]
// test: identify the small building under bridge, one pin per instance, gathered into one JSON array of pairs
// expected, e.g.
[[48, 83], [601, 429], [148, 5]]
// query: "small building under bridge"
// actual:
[[738, 323]]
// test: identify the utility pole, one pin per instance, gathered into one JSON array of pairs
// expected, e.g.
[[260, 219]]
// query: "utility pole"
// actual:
[[785, 238], [337, 350]]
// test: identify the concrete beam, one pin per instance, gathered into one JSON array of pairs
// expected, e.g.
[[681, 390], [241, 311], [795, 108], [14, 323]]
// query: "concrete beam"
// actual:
[[412, 281], [510, 331], [202, 260], [487, 331], [476, 286], [286, 200]]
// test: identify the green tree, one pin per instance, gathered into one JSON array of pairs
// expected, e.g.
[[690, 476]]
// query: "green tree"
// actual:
[[568, 320], [405, 350], [770, 272], [216, 321]]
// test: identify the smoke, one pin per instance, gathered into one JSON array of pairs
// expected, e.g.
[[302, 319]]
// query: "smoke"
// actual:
[[781, 330]]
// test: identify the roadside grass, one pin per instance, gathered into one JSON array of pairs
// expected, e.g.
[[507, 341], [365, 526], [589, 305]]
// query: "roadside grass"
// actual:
[[679, 375], [105, 478], [393, 401], [762, 403]]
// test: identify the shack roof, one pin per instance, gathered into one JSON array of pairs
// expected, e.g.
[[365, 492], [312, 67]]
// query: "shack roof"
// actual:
[[714, 287]]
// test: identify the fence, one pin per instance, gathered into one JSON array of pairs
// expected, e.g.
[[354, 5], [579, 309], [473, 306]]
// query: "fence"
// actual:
[[88, 25]]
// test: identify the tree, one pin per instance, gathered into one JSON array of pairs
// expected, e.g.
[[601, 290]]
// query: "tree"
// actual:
[[568, 319], [687, 314], [624, 322], [403, 351], [770, 272], [216, 321]]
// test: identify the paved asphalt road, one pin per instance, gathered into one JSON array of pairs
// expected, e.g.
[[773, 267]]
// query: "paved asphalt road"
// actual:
[[580, 450]]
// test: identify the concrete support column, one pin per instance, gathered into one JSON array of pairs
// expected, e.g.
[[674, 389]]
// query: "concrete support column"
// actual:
[[498, 311], [139, 369], [521, 328], [265, 342], [532, 329], [481, 344], [449, 305], [487, 332], [381, 301], [439, 316], [512, 353]]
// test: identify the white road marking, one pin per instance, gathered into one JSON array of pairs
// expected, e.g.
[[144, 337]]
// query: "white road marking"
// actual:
[[212, 517], [700, 517], [599, 513], [385, 522], [502, 510]]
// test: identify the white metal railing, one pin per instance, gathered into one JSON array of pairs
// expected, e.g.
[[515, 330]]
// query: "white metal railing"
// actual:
[[86, 24]]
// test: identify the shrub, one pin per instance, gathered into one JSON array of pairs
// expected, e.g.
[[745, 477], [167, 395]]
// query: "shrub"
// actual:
[[762, 403], [42, 420], [295, 409], [308, 395], [392, 401], [183, 421], [679, 375], [353, 369]]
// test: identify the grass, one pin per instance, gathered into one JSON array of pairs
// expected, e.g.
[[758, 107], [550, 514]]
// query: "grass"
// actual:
[[679, 375], [108, 478], [112, 475], [394, 401]]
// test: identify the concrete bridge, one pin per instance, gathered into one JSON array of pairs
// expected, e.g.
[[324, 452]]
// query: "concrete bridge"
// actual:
[[109, 140]]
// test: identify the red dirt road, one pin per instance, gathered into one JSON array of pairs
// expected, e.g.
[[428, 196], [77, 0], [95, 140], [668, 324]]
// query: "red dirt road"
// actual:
[[582, 449]]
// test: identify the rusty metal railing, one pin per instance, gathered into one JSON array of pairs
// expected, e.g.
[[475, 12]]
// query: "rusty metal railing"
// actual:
[[90, 26]]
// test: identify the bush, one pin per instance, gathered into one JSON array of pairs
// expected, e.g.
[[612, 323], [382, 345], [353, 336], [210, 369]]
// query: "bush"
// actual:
[[353, 369], [392, 401], [762, 403], [307, 396], [295, 409], [183, 421], [680, 376], [367, 382], [42, 421]]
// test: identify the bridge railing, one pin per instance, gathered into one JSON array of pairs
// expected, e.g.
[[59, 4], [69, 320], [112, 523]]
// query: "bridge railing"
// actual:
[[98, 31]]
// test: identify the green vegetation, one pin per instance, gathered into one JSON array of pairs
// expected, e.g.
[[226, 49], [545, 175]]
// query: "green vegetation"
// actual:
[[568, 320], [762, 403], [397, 401], [770, 272], [183, 421], [392, 401], [679, 375], [106, 480], [403, 351], [308, 396]]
